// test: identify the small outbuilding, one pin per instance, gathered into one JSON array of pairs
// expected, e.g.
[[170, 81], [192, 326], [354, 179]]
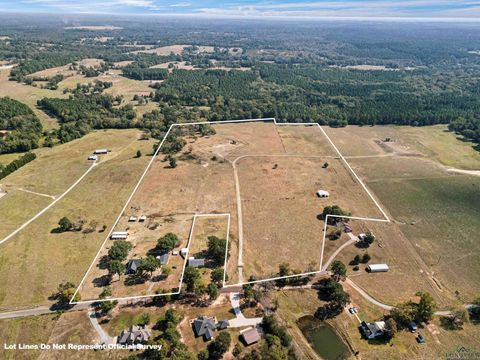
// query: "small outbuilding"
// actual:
[[118, 235], [132, 219], [101, 151], [184, 252], [163, 258], [323, 194], [373, 268], [250, 336], [93, 157], [196, 262], [142, 218]]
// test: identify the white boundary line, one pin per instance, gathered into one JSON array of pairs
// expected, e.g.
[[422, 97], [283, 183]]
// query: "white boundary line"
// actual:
[[356, 176], [386, 219], [41, 212], [181, 276], [143, 175]]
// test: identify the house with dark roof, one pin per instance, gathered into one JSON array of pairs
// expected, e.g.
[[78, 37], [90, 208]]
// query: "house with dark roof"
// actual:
[[372, 330], [137, 334], [222, 324], [204, 326], [132, 266]]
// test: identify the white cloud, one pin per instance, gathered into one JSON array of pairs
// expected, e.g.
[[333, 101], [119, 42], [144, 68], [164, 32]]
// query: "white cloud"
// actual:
[[181, 4]]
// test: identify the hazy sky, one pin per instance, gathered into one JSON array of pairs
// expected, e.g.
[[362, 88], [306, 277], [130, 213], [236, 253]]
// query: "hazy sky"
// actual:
[[250, 8]]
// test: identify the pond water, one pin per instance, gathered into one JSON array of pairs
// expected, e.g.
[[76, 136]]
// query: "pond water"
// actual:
[[323, 339]]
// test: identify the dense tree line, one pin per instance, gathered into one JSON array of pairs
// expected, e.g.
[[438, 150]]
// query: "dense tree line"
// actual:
[[83, 112], [16, 164], [23, 128], [142, 73]]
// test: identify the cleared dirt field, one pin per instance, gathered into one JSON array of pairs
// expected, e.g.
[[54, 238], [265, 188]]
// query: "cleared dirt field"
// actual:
[[36, 260]]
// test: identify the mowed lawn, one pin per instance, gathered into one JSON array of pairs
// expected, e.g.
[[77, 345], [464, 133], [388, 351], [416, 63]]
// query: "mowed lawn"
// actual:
[[54, 171], [36, 260]]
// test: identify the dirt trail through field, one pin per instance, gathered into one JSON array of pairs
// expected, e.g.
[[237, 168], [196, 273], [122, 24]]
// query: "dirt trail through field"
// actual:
[[467, 172]]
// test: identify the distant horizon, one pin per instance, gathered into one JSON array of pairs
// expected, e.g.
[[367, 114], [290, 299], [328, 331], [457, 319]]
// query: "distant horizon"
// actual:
[[240, 17], [379, 10]]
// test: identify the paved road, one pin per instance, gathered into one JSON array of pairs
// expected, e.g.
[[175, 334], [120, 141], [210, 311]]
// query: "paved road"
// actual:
[[40, 310], [104, 337], [240, 320]]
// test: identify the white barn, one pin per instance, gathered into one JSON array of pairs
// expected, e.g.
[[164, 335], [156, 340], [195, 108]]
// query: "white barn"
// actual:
[[377, 268]]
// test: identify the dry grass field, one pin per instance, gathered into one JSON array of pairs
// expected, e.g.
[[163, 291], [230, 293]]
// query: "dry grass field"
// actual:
[[406, 275], [47, 176], [431, 142], [437, 212], [280, 209], [36, 260], [29, 95], [121, 85], [28, 330], [277, 189]]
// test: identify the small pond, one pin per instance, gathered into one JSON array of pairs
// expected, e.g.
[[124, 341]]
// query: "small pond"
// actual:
[[323, 339]]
